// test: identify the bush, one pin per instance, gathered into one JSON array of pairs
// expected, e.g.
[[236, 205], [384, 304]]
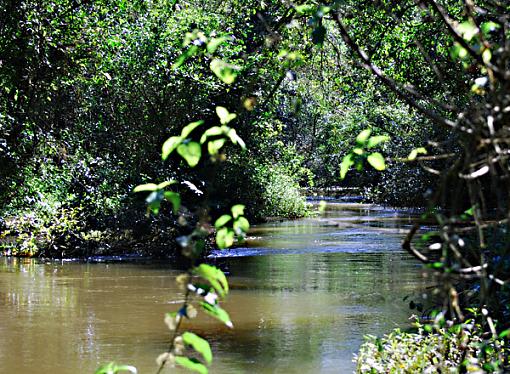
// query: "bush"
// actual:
[[459, 348]]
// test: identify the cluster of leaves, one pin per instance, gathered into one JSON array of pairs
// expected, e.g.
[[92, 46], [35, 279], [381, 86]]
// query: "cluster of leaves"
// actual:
[[355, 158], [436, 347]]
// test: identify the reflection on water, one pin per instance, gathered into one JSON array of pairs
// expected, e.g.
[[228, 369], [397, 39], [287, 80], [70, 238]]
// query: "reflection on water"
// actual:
[[303, 308]]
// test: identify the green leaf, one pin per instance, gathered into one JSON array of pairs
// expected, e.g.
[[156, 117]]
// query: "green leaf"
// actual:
[[362, 137], [241, 224], [377, 161], [191, 152], [146, 187], [504, 334], [189, 128], [225, 237], [217, 312], [224, 115], [215, 43], [358, 151], [376, 140], [214, 276], [175, 199], [467, 29], [165, 184], [237, 210], [487, 55], [191, 364], [170, 145], [488, 27], [199, 344], [458, 51], [191, 51], [213, 131], [214, 146], [306, 9], [226, 72], [234, 138], [112, 368], [415, 152], [220, 222], [346, 164]]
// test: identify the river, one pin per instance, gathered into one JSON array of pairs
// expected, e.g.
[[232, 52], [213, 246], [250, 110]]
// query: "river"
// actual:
[[304, 293]]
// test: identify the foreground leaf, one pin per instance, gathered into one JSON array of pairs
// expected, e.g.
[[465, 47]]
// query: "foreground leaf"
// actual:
[[199, 344], [362, 138], [376, 140], [175, 199], [226, 72], [214, 276], [112, 368], [218, 313], [346, 164], [220, 222], [191, 364], [224, 115], [225, 237], [189, 128], [170, 145], [146, 187], [377, 161], [191, 152], [237, 210]]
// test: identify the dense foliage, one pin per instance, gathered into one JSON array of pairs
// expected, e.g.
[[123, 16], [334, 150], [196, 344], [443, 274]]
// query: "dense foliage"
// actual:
[[90, 90]]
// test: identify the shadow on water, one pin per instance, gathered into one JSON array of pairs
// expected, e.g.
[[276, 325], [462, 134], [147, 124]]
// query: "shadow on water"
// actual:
[[303, 295]]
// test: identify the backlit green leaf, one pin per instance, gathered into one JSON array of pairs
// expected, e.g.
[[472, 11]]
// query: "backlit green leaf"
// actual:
[[217, 312], [175, 199], [306, 9], [220, 222], [505, 333], [362, 137], [191, 152], [189, 128], [214, 276], [467, 29], [213, 131], [346, 164], [415, 152], [199, 344], [224, 115], [214, 43], [376, 140], [241, 224], [165, 184], [234, 138], [377, 161], [113, 368], [191, 51], [170, 145], [146, 187], [191, 364], [214, 146], [226, 72], [225, 237], [237, 210], [488, 27]]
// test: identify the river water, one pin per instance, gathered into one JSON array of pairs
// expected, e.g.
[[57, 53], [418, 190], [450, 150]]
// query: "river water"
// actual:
[[304, 293]]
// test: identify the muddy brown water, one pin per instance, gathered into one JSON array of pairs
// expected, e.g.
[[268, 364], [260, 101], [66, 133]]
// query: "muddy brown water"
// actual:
[[304, 293]]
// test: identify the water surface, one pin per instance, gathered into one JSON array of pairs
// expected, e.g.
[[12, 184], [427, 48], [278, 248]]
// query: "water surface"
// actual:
[[303, 295]]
